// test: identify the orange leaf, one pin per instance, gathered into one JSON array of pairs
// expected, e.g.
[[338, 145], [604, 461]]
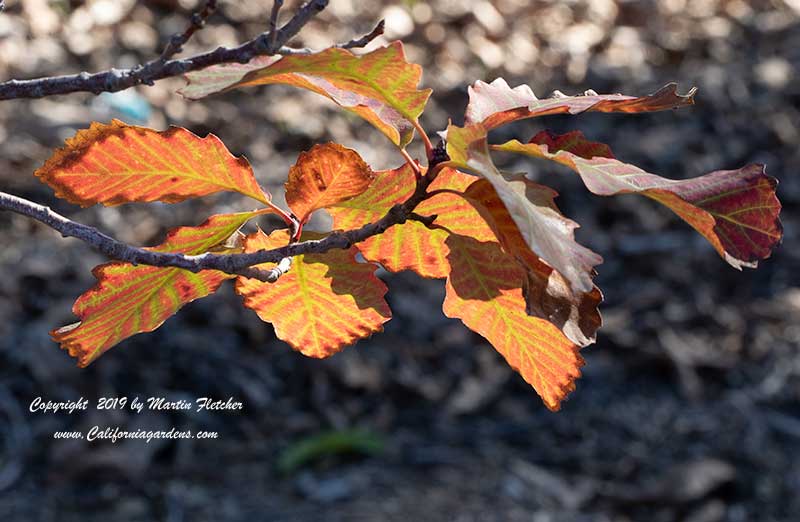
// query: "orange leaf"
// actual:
[[483, 290], [412, 245], [325, 175], [493, 304], [380, 86], [119, 163], [495, 104], [132, 299], [736, 210], [547, 294], [324, 303]]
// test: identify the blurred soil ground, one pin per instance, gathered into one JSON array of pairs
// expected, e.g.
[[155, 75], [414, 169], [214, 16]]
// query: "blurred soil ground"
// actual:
[[689, 407]]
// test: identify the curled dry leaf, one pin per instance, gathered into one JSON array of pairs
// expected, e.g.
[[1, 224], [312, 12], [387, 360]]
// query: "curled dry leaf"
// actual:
[[736, 210], [495, 104], [119, 163], [548, 234], [547, 294]]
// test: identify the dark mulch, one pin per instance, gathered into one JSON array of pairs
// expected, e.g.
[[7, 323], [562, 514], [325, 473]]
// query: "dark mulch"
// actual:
[[689, 407]]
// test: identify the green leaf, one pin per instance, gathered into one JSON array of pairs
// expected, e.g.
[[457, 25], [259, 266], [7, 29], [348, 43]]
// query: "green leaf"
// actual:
[[341, 442]]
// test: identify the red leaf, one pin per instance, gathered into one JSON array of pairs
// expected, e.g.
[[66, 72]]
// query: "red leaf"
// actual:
[[495, 104], [736, 210]]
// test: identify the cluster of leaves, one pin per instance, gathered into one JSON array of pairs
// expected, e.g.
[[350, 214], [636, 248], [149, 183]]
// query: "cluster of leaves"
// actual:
[[514, 272]]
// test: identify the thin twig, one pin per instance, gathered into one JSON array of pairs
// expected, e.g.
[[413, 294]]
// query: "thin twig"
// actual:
[[429, 149], [176, 43], [238, 264], [119, 79], [411, 163], [273, 24], [425, 220], [436, 192], [367, 38], [352, 44]]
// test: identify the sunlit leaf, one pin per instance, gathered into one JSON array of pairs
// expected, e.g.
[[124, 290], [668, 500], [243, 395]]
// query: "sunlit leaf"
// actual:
[[119, 163], [489, 301], [380, 86], [412, 245], [547, 294], [325, 175], [546, 231], [324, 303], [132, 299], [483, 290], [495, 104], [736, 210]]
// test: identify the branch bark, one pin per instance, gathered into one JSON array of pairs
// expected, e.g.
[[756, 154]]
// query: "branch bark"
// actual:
[[270, 42], [176, 43], [115, 80], [236, 264]]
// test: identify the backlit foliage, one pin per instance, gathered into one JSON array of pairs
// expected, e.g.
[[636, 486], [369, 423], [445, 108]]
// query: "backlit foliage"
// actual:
[[514, 272]]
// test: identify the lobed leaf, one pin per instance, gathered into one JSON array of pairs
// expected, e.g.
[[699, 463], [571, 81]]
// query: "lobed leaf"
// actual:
[[495, 104], [119, 163], [326, 302], [546, 232], [380, 86], [736, 210], [132, 299], [325, 175], [483, 290]]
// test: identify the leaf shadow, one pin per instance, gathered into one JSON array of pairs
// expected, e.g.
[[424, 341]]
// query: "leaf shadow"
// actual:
[[366, 289], [498, 271]]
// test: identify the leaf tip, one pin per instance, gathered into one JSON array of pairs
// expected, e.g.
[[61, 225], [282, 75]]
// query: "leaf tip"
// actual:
[[74, 349]]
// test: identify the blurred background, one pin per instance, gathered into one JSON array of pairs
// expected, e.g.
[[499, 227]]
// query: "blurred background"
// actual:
[[689, 407]]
